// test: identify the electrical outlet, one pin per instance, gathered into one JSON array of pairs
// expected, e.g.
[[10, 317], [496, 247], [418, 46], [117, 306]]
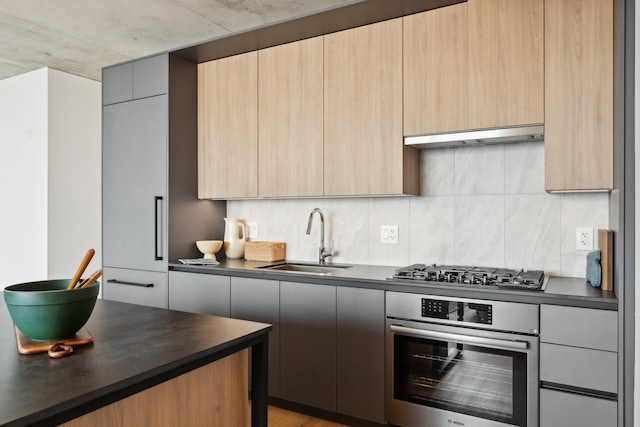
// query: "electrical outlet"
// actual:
[[584, 239], [389, 234], [252, 230]]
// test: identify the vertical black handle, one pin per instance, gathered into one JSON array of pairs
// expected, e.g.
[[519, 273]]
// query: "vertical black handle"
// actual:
[[158, 228]]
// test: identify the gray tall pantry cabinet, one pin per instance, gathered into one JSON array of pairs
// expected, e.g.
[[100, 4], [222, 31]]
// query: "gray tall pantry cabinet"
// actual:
[[151, 213]]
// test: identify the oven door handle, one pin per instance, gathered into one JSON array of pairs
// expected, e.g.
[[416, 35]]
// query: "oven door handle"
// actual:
[[463, 339]]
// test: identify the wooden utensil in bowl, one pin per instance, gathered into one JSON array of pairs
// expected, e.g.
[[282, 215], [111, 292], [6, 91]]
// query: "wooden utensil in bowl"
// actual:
[[83, 266], [89, 280]]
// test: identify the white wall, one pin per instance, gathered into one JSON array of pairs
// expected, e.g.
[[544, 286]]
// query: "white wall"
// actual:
[[23, 178], [483, 205], [50, 185], [75, 173]]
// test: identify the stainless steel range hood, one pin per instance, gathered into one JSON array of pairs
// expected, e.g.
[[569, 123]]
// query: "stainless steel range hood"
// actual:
[[477, 137]]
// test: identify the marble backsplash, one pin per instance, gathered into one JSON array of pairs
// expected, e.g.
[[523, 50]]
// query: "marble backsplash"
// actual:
[[481, 206]]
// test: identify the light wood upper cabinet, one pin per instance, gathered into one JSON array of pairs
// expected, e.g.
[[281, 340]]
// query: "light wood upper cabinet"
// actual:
[[579, 95], [474, 65], [364, 152], [506, 62], [228, 127], [435, 71], [290, 124]]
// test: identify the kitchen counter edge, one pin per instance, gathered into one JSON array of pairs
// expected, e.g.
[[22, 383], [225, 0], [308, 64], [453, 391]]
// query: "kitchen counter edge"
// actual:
[[565, 291]]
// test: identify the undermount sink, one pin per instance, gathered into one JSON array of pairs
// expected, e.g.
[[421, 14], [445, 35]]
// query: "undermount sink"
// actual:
[[296, 267]]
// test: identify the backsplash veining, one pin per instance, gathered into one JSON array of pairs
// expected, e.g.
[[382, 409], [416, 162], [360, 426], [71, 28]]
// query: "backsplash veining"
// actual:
[[478, 206]]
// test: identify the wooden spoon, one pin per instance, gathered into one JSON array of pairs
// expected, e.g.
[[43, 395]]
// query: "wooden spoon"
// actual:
[[89, 280], [83, 265]]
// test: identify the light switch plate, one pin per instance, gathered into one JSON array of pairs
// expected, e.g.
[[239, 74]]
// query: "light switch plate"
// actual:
[[389, 234]]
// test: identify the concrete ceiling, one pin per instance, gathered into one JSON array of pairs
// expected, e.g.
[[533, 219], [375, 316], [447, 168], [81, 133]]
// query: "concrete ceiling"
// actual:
[[82, 36]]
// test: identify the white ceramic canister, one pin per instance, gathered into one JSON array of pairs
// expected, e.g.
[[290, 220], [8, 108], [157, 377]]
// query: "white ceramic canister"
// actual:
[[234, 238]]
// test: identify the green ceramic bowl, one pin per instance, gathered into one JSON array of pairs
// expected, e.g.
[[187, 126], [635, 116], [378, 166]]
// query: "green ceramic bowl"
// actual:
[[47, 311]]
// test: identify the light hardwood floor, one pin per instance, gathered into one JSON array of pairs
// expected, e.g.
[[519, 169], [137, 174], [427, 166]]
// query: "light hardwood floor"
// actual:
[[279, 417]]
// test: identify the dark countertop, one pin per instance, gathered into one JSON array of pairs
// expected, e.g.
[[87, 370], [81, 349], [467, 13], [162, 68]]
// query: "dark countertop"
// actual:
[[565, 291], [135, 347]]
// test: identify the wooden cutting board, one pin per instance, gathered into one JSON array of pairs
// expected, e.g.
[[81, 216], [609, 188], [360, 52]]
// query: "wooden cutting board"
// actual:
[[605, 246], [27, 346]]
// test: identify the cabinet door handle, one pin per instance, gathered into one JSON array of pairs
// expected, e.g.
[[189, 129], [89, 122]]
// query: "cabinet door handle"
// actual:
[[123, 282], [158, 228]]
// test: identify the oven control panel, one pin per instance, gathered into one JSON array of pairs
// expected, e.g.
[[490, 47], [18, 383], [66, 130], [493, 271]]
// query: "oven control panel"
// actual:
[[457, 311]]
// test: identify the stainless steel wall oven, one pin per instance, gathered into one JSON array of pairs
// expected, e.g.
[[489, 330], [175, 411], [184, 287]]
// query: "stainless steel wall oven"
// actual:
[[461, 362]]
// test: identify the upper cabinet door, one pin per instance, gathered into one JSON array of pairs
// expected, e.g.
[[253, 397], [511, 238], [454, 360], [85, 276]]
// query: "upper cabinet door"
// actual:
[[135, 80], [290, 131], [363, 146], [117, 83], [435, 71], [151, 76], [227, 127], [506, 62], [579, 95]]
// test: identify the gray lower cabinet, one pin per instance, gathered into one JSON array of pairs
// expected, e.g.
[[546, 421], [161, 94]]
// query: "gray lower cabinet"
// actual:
[[332, 348], [200, 293], [135, 286], [258, 300], [360, 353], [308, 344], [559, 408], [578, 366], [326, 349]]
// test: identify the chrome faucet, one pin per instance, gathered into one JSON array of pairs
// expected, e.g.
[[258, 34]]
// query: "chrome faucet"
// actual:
[[322, 252]]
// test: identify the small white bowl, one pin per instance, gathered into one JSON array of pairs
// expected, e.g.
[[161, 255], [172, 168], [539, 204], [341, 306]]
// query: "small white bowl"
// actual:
[[209, 248]]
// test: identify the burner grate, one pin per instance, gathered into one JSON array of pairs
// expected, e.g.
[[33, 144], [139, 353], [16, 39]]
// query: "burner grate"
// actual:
[[473, 276]]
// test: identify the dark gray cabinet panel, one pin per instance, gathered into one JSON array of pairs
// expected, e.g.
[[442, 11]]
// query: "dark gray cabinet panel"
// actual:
[[578, 357], [360, 353], [151, 76], [200, 293], [580, 327], [134, 286], [117, 84], [134, 151], [579, 367], [308, 344], [565, 409], [259, 300]]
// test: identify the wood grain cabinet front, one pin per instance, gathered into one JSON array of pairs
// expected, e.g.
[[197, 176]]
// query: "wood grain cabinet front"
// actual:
[[227, 127], [578, 95], [506, 63], [474, 65], [290, 122], [435, 64], [364, 152]]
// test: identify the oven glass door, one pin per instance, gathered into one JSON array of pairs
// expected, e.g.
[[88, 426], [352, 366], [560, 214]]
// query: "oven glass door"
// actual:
[[462, 378]]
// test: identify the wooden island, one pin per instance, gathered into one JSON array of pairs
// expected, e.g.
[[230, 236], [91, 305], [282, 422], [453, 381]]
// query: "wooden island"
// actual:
[[146, 367]]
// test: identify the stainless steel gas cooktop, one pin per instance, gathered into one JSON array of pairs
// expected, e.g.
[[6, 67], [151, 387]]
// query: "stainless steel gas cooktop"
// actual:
[[473, 276]]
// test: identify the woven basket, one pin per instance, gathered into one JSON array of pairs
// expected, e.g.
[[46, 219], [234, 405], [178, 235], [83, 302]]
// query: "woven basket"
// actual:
[[265, 251]]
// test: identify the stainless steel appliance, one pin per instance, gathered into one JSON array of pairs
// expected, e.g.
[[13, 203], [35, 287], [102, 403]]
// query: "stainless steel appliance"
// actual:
[[488, 277], [462, 362]]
